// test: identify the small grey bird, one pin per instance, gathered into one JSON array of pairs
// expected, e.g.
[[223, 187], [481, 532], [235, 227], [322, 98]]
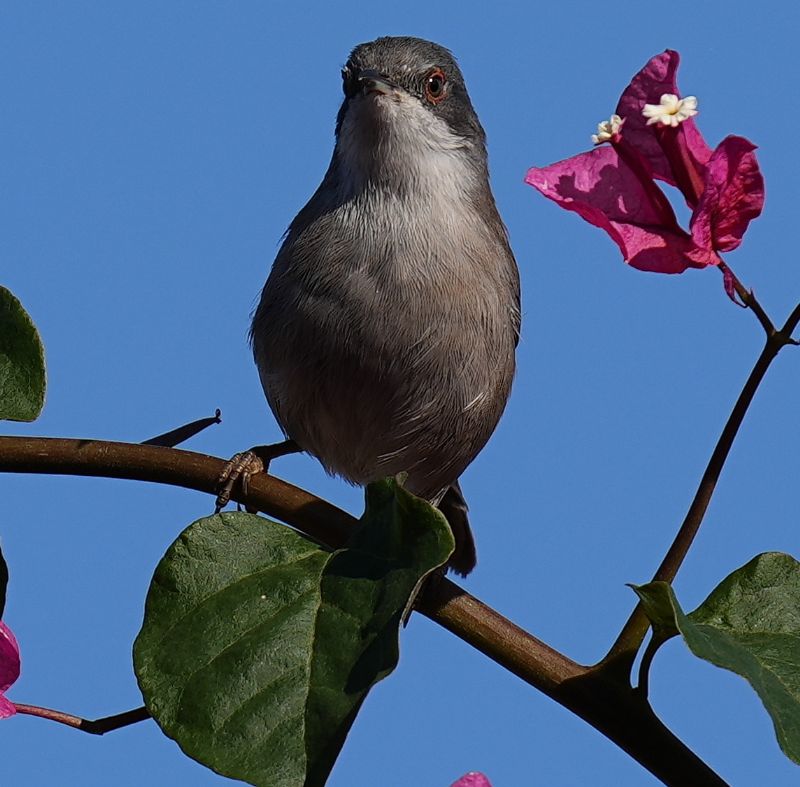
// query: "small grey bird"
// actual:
[[386, 331]]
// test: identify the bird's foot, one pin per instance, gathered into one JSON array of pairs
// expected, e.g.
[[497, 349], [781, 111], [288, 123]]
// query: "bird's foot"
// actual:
[[247, 464], [241, 466]]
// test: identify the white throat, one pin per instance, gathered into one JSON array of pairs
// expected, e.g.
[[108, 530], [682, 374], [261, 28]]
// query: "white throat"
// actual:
[[393, 141]]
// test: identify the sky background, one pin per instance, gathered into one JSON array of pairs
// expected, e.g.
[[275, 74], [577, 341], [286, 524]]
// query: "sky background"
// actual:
[[151, 156]]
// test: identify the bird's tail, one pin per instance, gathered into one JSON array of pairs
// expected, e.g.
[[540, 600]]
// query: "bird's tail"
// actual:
[[454, 508]]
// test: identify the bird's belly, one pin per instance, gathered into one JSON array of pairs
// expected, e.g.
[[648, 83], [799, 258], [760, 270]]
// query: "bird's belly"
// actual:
[[422, 400]]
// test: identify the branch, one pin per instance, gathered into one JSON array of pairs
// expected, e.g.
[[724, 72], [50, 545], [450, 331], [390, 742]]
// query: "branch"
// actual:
[[601, 696], [635, 629], [164, 465], [92, 726]]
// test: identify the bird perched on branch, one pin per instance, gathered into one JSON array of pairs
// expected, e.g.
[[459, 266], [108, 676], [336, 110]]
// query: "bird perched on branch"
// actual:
[[386, 331]]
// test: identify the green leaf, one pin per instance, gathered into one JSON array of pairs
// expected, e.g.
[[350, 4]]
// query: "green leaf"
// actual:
[[658, 608], [750, 625], [22, 375], [258, 646]]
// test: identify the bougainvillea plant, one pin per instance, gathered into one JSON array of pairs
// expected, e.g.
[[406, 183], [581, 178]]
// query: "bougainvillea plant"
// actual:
[[259, 642]]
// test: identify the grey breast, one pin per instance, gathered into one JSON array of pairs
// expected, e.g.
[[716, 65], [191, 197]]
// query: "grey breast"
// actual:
[[382, 350]]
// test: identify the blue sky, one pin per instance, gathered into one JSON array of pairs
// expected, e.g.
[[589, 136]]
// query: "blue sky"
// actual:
[[152, 156]]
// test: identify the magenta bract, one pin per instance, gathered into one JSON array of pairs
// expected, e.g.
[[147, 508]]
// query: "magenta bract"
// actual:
[[614, 186], [603, 190], [9, 668], [472, 779], [733, 196], [659, 76]]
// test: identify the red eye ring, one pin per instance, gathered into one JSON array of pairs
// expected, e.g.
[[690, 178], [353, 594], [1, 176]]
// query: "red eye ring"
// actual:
[[435, 86]]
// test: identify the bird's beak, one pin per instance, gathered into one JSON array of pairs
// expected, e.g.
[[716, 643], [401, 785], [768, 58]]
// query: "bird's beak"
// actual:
[[372, 82]]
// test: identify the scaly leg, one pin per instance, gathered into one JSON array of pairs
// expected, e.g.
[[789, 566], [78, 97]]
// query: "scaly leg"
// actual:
[[247, 464]]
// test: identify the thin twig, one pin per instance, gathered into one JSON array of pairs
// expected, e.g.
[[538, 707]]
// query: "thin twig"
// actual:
[[92, 726], [635, 629], [182, 433], [749, 300], [643, 683], [789, 326]]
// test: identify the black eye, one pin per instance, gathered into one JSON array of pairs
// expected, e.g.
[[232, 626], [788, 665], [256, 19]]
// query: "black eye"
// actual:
[[434, 86]]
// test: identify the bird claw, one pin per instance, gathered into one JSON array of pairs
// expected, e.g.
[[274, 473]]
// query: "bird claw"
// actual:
[[241, 466]]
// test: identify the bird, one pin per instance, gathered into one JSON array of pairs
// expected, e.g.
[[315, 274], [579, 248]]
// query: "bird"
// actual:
[[386, 332]]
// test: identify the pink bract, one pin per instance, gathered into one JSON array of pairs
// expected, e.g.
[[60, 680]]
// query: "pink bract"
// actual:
[[472, 779], [602, 189], [659, 76], [614, 186], [732, 198], [9, 668]]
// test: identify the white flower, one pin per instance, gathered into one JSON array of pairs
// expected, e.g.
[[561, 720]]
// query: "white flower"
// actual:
[[671, 110], [607, 129]]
